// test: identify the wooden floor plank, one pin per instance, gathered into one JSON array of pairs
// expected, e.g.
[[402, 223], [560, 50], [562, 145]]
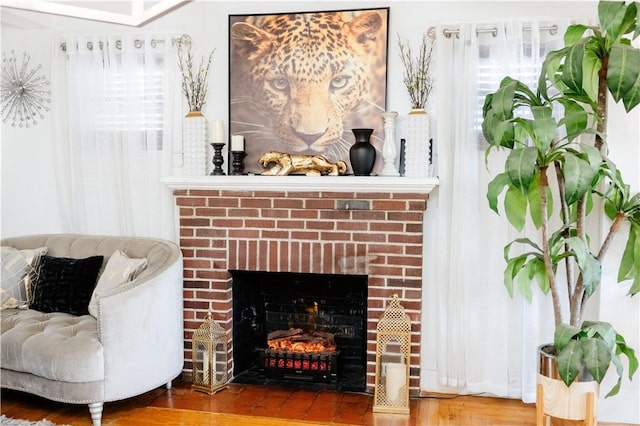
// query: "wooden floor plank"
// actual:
[[248, 405]]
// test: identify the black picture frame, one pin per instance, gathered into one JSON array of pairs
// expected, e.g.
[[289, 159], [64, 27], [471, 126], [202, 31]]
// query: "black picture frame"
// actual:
[[300, 81]]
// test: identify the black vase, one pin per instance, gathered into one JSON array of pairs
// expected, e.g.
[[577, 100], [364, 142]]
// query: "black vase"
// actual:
[[362, 154]]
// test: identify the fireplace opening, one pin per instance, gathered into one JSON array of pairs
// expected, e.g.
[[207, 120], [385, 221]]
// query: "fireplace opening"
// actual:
[[308, 329]]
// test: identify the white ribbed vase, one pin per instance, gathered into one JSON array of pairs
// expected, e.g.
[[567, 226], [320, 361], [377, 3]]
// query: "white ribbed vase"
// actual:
[[194, 145], [416, 149]]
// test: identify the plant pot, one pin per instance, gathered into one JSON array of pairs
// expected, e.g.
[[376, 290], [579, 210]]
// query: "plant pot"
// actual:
[[555, 399]]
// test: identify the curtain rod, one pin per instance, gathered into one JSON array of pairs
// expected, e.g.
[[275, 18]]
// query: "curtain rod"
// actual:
[[184, 39], [553, 29]]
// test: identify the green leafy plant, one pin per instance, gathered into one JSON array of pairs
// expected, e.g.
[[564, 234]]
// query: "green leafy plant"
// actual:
[[194, 83], [558, 166], [417, 76]]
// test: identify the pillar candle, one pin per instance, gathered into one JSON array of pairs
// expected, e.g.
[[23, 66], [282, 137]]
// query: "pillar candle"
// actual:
[[218, 131], [237, 143]]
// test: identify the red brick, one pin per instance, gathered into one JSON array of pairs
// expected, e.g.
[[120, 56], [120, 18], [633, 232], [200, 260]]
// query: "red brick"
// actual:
[[418, 205], [280, 235], [304, 194], [244, 233], [211, 232], [404, 282], [236, 194], [405, 238], [387, 270], [352, 225], [320, 204], [197, 264], [190, 201], [186, 232], [288, 203], [386, 227], [223, 202], [204, 193], [244, 212], [289, 224], [186, 211], [304, 214], [405, 216], [367, 215], [335, 236], [260, 223], [385, 249], [194, 222], [304, 235], [192, 304], [378, 238], [373, 195], [340, 215], [405, 260], [211, 212], [414, 227], [256, 202], [276, 213], [312, 224], [228, 223], [389, 205], [194, 242]]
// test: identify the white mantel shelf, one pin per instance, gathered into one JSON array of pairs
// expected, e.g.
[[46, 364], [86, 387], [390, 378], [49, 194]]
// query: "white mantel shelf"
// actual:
[[389, 184]]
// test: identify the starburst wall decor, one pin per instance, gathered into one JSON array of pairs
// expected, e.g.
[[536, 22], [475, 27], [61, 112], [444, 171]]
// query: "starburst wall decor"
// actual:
[[23, 95]]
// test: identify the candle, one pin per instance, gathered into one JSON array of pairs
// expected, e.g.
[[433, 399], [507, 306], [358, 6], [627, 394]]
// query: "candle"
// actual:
[[237, 143], [218, 131]]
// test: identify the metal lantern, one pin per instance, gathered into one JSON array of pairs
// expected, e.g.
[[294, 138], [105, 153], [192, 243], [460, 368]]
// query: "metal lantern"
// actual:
[[393, 357], [209, 355]]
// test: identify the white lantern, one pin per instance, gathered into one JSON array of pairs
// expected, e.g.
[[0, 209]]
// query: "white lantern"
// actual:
[[393, 358], [209, 357]]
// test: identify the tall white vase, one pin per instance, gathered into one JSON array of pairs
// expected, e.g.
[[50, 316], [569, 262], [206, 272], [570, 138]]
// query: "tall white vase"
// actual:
[[416, 150], [194, 144], [389, 152]]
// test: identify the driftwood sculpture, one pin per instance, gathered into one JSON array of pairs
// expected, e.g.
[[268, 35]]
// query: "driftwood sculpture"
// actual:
[[292, 164]]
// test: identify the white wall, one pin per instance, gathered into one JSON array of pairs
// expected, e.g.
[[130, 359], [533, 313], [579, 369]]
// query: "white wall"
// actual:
[[29, 199]]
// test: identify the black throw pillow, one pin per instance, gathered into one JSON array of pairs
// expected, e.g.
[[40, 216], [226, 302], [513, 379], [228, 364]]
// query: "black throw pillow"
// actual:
[[65, 284]]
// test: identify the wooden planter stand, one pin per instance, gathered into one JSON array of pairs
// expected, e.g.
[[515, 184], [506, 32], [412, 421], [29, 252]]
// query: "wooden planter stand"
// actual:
[[576, 402]]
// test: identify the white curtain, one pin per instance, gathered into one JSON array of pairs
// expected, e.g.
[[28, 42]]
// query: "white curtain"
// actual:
[[476, 339], [117, 126]]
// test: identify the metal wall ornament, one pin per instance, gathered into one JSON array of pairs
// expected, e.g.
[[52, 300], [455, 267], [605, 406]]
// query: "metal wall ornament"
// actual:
[[23, 91]]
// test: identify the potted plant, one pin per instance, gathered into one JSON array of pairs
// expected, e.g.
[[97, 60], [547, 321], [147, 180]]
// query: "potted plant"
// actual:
[[194, 83], [558, 166], [417, 72]]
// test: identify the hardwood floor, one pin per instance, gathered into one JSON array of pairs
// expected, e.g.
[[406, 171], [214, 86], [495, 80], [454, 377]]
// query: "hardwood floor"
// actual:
[[250, 405]]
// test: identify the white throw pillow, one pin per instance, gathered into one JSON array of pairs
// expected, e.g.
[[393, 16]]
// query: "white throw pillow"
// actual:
[[119, 269], [19, 273]]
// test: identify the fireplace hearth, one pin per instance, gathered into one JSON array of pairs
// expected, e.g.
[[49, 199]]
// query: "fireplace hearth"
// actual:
[[300, 327]]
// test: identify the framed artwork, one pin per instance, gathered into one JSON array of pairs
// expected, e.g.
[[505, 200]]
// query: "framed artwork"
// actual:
[[299, 82]]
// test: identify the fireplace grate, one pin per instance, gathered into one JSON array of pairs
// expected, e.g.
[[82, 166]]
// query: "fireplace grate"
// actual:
[[309, 366]]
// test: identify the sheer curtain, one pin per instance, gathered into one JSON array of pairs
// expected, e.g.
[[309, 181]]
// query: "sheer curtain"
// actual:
[[116, 130], [476, 338]]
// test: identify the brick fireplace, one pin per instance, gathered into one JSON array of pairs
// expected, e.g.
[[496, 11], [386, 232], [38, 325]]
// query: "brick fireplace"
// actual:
[[369, 226]]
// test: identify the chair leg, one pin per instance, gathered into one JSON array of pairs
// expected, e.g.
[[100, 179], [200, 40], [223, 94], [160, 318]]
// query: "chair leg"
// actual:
[[169, 384], [95, 409]]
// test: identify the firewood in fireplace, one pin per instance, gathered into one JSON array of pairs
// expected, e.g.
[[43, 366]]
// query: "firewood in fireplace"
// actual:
[[279, 334], [291, 340]]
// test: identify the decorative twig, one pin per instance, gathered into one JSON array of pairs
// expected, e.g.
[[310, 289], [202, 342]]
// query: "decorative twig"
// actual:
[[417, 70], [194, 85]]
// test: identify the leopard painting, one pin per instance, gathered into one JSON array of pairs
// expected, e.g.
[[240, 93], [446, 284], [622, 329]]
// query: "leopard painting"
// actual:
[[300, 82]]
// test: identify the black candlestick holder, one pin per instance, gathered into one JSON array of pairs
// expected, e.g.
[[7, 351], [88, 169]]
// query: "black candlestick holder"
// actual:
[[218, 160], [237, 162]]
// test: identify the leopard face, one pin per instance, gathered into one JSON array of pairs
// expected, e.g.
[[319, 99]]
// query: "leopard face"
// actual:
[[305, 73]]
